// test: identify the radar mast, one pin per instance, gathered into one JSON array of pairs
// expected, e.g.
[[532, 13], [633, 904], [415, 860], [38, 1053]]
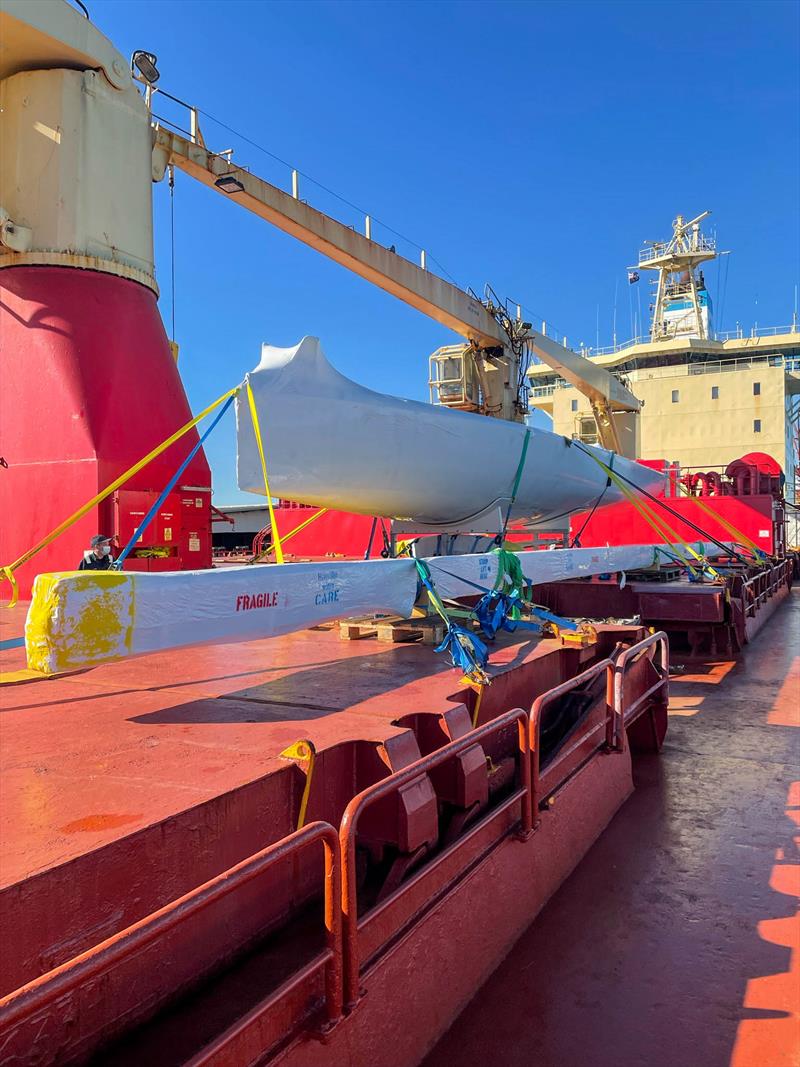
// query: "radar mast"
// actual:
[[682, 305]]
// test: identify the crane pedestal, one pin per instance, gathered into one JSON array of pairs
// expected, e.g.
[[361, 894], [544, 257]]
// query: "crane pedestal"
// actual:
[[89, 388]]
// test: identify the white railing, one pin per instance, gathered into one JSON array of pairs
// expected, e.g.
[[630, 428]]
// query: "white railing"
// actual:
[[728, 335], [656, 251], [610, 350], [716, 366], [765, 331]]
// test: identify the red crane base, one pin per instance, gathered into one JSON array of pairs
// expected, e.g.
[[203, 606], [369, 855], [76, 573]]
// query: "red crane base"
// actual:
[[89, 388]]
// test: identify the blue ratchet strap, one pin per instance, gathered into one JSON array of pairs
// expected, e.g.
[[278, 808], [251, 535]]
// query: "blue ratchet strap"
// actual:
[[558, 620], [467, 652], [502, 608], [498, 610], [117, 564]]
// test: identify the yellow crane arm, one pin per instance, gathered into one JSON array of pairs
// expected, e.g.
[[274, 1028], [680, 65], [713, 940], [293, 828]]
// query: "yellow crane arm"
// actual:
[[427, 292]]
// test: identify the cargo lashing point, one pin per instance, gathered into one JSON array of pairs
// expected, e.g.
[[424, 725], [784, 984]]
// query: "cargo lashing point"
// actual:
[[302, 752]]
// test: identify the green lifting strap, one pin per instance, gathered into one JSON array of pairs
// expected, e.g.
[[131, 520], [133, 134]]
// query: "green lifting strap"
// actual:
[[517, 480]]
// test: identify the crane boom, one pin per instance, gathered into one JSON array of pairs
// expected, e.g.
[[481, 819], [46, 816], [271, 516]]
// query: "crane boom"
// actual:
[[428, 293], [416, 286], [49, 33]]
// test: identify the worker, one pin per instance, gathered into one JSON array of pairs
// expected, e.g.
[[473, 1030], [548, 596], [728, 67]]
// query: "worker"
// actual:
[[98, 558]]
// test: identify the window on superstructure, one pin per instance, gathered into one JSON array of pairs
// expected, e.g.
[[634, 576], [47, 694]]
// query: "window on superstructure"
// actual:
[[756, 388], [573, 405], [756, 425], [676, 395], [715, 392]]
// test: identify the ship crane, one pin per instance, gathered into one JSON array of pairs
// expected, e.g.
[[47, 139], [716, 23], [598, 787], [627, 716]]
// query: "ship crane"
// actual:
[[112, 150], [495, 342]]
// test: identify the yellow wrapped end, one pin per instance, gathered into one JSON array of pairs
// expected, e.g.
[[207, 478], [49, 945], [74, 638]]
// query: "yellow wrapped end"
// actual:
[[77, 619]]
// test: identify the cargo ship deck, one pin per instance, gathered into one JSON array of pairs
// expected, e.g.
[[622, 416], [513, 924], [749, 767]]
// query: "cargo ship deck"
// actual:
[[672, 943], [676, 941], [94, 756]]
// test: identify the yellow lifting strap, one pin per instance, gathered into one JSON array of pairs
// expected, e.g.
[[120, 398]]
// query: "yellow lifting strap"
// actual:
[[306, 522], [652, 520], [726, 524], [276, 537], [671, 537], [674, 539], [291, 533], [668, 535], [660, 525], [302, 751], [479, 688], [8, 571]]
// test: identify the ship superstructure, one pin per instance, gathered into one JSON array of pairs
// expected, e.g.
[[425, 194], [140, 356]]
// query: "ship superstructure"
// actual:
[[706, 395]]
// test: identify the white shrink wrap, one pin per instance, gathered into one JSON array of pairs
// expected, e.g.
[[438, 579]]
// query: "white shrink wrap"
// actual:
[[78, 619], [330, 442], [457, 576]]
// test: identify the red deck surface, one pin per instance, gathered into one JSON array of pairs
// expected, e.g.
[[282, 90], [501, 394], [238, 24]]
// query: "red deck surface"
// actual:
[[94, 756], [676, 942], [672, 945]]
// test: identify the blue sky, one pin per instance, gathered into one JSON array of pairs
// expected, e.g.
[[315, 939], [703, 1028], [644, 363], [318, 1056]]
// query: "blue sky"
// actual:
[[530, 145]]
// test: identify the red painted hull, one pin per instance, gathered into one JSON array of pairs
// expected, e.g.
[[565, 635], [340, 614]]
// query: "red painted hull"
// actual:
[[754, 508], [77, 348]]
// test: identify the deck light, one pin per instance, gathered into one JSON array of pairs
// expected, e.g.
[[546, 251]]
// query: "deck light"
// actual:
[[145, 63], [228, 183]]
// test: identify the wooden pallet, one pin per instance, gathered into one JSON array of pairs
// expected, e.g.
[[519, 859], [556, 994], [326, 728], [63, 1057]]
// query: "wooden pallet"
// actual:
[[665, 573], [429, 630]]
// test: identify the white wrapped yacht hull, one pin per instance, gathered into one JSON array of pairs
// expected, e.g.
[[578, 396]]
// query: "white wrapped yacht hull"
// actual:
[[332, 443]]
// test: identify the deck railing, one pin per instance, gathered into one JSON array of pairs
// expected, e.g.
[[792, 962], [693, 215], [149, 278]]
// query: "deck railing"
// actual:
[[602, 731], [355, 809], [341, 958], [739, 334], [764, 585], [626, 713], [48, 989], [716, 366]]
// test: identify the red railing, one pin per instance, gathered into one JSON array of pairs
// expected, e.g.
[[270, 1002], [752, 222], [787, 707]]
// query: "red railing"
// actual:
[[764, 585], [543, 701], [359, 803], [341, 958], [624, 715], [48, 988]]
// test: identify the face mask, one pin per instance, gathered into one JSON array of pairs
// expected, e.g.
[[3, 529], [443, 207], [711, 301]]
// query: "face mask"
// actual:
[[106, 550]]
